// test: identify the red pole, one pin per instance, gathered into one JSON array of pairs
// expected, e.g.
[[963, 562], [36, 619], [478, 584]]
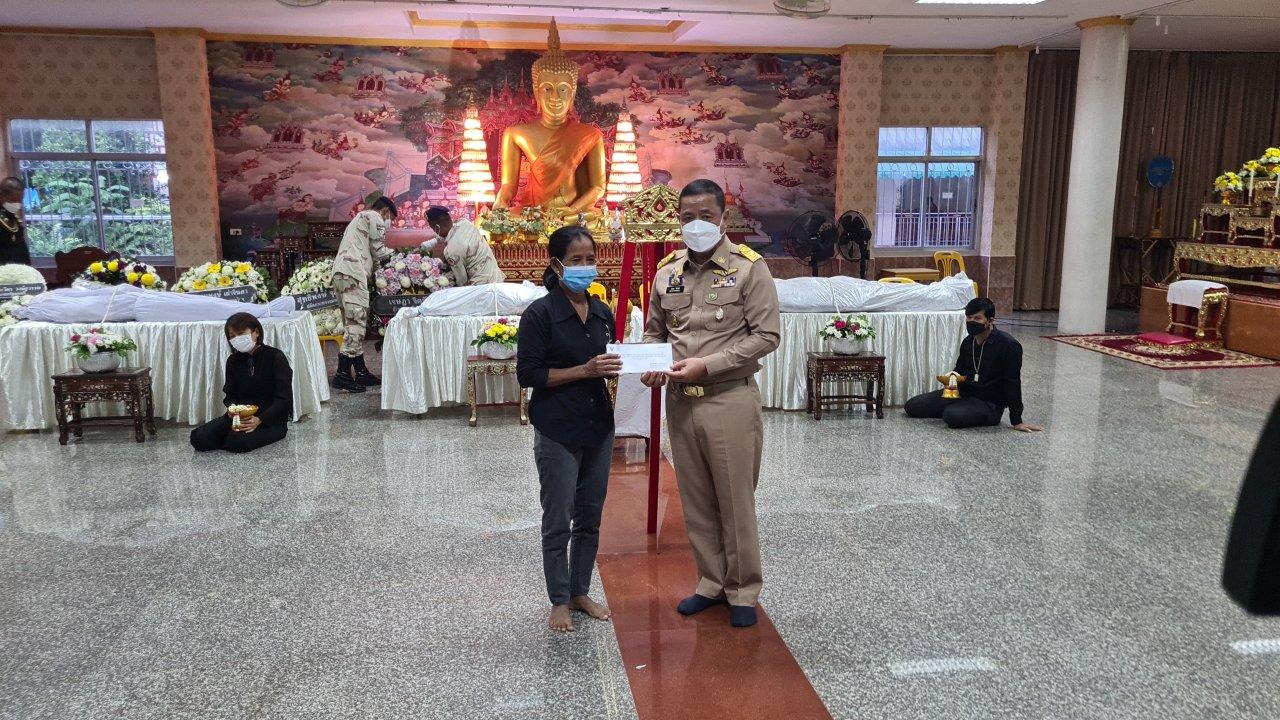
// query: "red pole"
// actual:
[[655, 406]]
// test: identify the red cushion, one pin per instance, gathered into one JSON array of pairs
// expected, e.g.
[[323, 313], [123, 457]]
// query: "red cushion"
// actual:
[[1164, 338]]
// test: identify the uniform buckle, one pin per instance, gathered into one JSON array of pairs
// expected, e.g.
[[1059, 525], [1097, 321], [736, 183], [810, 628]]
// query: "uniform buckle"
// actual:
[[695, 391]]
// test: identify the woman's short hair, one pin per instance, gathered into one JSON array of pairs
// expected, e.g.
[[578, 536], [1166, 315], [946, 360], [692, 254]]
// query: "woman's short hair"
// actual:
[[558, 247], [238, 323]]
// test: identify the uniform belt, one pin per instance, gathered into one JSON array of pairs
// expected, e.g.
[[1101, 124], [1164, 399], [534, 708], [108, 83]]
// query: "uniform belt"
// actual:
[[697, 391]]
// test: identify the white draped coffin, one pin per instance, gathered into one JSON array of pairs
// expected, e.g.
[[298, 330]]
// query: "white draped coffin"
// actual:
[[424, 361], [187, 361]]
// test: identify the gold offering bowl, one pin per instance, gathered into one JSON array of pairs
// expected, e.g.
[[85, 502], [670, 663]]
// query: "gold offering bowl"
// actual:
[[247, 412]]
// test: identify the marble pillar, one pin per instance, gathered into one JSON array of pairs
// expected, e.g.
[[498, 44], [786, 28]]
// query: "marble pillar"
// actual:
[[1091, 185], [188, 133]]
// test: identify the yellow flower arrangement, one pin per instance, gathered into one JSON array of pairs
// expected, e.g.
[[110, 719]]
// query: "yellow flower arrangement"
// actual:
[[1228, 181], [148, 279], [215, 268], [113, 265], [224, 281], [132, 277], [243, 268], [95, 267], [201, 285], [503, 332]]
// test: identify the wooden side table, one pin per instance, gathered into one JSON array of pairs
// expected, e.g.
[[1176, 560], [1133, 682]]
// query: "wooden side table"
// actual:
[[478, 365], [868, 368], [131, 386]]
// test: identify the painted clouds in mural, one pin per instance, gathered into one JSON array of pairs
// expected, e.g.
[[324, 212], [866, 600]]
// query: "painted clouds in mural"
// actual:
[[308, 132]]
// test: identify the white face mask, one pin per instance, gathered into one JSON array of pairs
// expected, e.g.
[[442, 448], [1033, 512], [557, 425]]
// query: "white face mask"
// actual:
[[243, 343], [700, 235], [13, 207]]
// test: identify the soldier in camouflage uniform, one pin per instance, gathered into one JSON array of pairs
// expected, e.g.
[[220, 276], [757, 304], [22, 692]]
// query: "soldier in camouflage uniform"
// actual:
[[358, 257]]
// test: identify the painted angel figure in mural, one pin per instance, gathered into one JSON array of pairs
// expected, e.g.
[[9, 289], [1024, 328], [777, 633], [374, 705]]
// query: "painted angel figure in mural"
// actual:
[[231, 125], [780, 176], [421, 82], [794, 130], [333, 144], [786, 92], [280, 90], [714, 76], [663, 120], [397, 50], [706, 114], [691, 136], [813, 76], [376, 117], [819, 165], [334, 73], [264, 188], [639, 93], [832, 97], [812, 122]]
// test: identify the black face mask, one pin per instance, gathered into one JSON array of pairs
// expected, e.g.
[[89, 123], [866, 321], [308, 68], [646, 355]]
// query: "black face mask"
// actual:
[[975, 328]]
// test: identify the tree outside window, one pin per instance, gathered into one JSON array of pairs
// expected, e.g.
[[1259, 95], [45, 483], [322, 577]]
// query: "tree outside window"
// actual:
[[100, 182], [927, 183]]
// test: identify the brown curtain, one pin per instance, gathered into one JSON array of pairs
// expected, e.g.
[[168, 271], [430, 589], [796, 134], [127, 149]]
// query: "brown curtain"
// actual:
[[1042, 194], [1208, 111]]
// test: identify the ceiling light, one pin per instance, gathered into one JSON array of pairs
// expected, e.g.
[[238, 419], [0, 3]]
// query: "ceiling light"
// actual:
[[802, 8], [979, 2]]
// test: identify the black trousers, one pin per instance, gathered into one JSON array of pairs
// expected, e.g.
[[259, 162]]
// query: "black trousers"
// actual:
[[959, 413], [217, 435], [574, 482]]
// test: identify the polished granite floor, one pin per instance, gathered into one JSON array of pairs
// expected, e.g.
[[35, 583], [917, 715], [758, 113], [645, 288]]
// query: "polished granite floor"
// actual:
[[387, 567]]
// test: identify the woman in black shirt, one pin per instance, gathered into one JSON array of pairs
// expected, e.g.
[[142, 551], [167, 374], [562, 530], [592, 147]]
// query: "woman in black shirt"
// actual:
[[259, 375], [561, 355]]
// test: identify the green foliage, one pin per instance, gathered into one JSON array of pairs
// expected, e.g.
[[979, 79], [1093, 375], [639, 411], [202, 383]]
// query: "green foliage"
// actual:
[[65, 188]]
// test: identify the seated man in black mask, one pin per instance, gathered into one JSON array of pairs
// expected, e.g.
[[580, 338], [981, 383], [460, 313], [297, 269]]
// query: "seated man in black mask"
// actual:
[[991, 362]]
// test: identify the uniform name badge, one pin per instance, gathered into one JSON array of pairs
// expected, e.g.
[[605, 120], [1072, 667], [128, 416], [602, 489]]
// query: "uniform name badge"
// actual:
[[675, 284], [725, 281]]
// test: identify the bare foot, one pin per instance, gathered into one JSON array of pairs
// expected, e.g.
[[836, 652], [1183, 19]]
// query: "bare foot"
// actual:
[[560, 620], [590, 607]]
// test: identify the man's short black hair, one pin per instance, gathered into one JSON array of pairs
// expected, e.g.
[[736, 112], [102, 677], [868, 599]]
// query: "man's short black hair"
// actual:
[[386, 203], [703, 186], [436, 213], [981, 305], [12, 184]]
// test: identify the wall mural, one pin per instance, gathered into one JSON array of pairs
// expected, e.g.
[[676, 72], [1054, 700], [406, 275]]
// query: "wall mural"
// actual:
[[307, 132]]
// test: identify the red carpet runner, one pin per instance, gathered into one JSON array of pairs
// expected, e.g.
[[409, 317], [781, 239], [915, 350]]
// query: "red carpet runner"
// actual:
[[681, 667]]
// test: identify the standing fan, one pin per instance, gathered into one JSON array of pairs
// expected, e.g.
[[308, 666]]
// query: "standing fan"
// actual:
[[855, 240], [811, 239]]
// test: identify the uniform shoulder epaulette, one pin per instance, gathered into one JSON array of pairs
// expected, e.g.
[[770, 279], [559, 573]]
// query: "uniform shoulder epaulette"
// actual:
[[672, 256], [746, 252]]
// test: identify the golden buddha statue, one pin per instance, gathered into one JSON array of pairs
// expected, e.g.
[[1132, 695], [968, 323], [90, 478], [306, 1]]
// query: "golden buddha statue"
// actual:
[[566, 159]]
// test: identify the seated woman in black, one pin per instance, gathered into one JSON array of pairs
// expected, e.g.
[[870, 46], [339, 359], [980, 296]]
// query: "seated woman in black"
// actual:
[[259, 375]]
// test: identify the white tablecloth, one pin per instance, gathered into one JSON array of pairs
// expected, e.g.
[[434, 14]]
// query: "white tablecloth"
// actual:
[[187, 361], [917, 346], [424, 359]]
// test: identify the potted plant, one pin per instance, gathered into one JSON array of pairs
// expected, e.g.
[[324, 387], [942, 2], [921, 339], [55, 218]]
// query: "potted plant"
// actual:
[[98, 351], [500, 226], [498, 339], [848, 334]]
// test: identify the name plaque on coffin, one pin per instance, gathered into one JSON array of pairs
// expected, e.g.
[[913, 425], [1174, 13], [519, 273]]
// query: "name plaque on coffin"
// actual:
[[239, 293], [318, 300], [392, 304], [8, 292]]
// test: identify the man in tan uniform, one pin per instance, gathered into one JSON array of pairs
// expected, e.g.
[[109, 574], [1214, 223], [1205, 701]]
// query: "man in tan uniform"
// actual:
[[361, 251], [715, 302], [463, 248]]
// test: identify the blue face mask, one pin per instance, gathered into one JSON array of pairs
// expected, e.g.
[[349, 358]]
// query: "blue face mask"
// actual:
[[577, 278]]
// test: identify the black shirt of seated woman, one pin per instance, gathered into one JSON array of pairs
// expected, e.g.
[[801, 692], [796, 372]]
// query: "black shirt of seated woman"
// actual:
[[561, 355], [256, 374], [13, 234]]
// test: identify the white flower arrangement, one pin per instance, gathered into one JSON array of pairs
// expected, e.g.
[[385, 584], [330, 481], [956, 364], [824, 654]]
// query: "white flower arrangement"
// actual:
[[125, 271], [313, 277], [8, 306], [229, 273], [18, 274], [845, 327]]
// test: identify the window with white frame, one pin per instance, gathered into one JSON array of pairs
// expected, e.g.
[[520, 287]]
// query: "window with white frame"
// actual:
[[94, 182], [927, 182]]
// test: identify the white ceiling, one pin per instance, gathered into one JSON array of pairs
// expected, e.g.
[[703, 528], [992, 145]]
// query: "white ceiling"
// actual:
[[1252, 25]]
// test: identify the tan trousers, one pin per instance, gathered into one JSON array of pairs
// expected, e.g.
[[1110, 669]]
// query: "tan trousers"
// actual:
[[353, 299], [716, 443]]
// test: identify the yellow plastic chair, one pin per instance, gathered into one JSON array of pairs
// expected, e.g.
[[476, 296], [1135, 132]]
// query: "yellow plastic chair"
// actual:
[[600, 291], [897, 281], [948, 262]]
